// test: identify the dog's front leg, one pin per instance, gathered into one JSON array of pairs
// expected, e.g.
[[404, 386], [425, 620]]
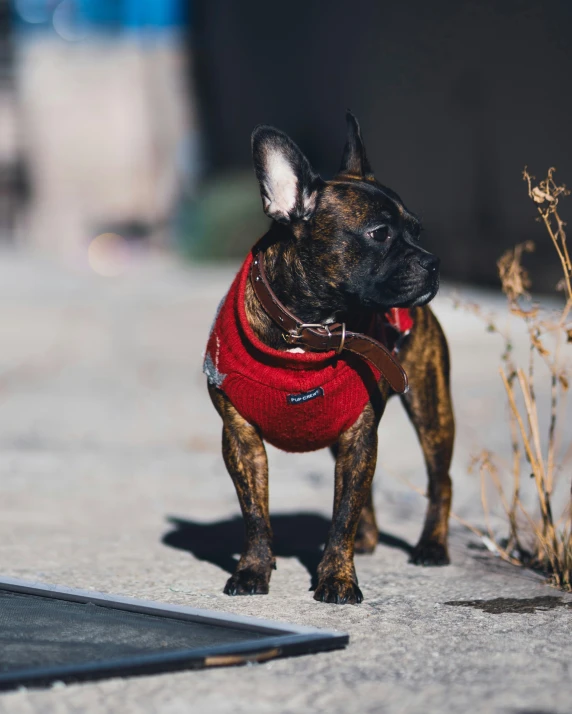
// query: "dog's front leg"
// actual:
[[356, 456], [245, 458]]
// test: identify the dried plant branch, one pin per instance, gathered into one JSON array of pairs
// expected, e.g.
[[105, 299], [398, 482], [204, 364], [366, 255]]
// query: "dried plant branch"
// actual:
[[547, 334]]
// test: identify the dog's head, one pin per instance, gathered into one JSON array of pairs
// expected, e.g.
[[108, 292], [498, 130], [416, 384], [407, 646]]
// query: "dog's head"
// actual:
[[352, 232]]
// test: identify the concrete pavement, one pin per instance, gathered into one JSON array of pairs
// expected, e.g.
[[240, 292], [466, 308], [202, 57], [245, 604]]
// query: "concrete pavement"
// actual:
[[106, 433]]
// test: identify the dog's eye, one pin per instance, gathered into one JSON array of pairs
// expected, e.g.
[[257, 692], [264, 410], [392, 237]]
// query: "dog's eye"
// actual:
[[381, 234]]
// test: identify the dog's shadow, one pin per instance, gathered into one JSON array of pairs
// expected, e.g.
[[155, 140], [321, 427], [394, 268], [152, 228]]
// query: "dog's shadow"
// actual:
[[296, 535]]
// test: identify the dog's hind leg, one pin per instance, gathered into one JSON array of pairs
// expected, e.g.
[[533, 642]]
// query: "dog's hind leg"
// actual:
[[245, 458], [355, 465], [367, 534], [428, 404]]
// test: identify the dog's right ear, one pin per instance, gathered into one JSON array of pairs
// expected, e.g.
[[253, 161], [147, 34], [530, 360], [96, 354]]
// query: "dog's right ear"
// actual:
[[288, 185]]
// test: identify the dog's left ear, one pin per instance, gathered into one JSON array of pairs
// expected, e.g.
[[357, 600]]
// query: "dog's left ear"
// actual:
[[354, 160], [288, 185]]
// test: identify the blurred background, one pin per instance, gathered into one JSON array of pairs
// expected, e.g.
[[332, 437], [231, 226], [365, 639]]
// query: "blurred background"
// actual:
[[127, 122]]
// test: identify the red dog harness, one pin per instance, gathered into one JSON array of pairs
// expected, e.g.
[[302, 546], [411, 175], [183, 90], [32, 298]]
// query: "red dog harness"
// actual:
[[298, 401]]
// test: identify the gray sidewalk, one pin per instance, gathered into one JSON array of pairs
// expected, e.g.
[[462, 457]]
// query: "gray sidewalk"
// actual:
[[106, 432]]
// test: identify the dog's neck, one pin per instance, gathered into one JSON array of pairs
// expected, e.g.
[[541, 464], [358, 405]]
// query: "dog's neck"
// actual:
[[295, 285]]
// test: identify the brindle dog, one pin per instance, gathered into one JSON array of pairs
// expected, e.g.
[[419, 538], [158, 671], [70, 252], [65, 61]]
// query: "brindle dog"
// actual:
[[336, 252]]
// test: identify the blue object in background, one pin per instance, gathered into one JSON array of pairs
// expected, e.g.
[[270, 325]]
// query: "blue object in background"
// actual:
[[132, 13], [105, 15]]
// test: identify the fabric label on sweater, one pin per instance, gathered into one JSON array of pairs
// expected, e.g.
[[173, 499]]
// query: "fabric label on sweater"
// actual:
[[305, 396]]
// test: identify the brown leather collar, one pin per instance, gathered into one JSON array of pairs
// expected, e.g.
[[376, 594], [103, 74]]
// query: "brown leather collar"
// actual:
[[323, 337]]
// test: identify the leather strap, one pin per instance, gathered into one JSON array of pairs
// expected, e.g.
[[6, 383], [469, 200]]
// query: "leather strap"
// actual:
[[324, 338]]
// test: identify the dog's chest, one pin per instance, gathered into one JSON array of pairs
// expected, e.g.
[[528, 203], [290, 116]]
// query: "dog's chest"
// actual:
[[300, 401]]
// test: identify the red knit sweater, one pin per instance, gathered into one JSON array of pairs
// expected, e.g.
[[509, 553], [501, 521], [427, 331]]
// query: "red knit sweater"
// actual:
[[299, 401]]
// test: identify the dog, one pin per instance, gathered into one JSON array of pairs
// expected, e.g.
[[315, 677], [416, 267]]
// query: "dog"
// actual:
[[299, 355]]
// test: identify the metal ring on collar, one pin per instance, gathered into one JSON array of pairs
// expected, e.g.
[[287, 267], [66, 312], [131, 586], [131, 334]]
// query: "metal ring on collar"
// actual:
[[341, 347]]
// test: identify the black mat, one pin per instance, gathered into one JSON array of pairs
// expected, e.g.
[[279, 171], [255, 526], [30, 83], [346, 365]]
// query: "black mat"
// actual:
[[49, 634]]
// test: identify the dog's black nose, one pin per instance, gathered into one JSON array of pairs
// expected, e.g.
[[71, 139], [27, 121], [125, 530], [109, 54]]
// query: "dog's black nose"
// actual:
[[430, 263]]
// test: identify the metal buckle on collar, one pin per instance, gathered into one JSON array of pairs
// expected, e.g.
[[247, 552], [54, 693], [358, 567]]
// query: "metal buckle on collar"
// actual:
[[293, 336], [296, 334]]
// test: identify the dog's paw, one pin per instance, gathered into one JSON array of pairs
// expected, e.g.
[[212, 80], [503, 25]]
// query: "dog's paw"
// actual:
[[247, 582], [429, 553], [338, 591]]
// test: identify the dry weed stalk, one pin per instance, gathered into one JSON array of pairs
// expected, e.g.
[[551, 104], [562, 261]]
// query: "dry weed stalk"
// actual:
[[547, 334]]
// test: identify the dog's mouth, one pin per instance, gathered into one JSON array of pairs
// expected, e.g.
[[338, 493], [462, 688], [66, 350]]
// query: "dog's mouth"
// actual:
[[427, 296], [423, 300], [416, 295]]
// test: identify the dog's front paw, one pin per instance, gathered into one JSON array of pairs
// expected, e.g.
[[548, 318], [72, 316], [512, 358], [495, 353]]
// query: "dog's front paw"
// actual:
[[429, 553], [247, 582], [338, 591]]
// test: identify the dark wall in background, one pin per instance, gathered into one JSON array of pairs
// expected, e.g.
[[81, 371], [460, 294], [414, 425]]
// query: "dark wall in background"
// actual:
[[454, 98]]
